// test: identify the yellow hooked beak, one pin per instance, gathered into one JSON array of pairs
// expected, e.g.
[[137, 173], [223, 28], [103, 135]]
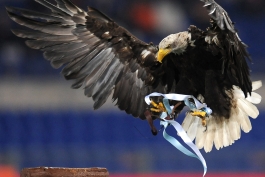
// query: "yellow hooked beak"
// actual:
[[162, 53]]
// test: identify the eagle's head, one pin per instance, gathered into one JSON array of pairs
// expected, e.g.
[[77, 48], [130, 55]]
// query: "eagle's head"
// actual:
[[174, 43]]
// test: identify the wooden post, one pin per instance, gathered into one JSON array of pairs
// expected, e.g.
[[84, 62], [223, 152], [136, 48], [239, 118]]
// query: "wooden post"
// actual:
[[64, 172]]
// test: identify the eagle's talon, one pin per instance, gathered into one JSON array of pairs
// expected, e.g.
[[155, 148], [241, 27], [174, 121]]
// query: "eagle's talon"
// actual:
[[202, 115], [206, 128], [158, 107], [154, 104], [204, 122]]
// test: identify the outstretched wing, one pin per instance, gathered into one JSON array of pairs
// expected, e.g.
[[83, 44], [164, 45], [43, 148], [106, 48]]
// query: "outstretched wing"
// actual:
[[223, 35], [224, 45], [94, 51]]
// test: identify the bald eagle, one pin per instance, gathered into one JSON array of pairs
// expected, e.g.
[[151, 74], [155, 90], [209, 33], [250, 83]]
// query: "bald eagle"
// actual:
[[106, 59]]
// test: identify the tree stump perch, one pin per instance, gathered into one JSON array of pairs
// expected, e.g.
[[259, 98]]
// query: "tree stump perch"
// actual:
[[64, 172]]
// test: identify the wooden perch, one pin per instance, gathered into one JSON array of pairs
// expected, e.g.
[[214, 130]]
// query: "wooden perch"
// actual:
[[64, 172]]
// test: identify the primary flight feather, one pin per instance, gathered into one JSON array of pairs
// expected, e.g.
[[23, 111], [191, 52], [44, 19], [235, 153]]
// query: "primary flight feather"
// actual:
[[106, 59]]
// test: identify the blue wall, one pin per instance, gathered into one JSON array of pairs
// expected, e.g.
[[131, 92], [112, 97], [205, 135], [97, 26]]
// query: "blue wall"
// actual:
[[113, 140]]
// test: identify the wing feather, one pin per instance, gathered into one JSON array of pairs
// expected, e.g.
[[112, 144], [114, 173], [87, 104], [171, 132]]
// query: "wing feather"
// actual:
[[99, 69], [55, 9], [40, 44], [105, 89], [72, 69], [33, 15], [44, 37], [45, 27]]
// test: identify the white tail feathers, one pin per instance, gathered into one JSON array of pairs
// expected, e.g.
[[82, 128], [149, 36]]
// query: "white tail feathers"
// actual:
[[222, 132], [256, 85]]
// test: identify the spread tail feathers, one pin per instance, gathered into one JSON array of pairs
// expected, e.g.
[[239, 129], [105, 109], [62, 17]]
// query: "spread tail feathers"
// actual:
[[222, 132]]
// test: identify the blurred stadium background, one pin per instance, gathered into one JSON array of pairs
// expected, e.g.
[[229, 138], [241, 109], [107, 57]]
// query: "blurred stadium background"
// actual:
[[43, 122]]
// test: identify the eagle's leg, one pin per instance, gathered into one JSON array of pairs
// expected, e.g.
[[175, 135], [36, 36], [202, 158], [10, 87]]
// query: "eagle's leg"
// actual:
[[148, 116], [173, 114], [157, 108]]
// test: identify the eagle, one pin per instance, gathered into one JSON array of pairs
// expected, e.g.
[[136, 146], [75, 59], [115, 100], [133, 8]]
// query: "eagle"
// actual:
[[107, 60]]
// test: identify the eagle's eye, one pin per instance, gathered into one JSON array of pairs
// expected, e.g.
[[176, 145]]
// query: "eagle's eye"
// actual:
[[168, 46]]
